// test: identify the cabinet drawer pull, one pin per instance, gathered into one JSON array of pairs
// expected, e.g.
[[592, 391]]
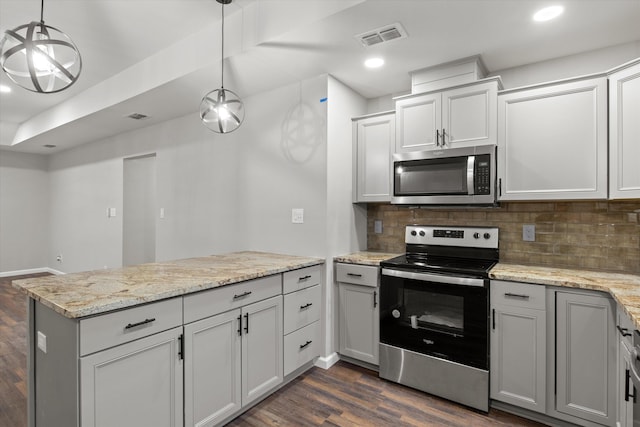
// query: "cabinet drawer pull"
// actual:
[[144, 322], [522, 296], [242, 295], [305, 344], [354, 275], [307, 305], [623, 331], [303, 278]]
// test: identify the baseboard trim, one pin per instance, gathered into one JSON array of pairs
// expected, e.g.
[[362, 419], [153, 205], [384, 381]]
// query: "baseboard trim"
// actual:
[[30, 271], [327, 361]]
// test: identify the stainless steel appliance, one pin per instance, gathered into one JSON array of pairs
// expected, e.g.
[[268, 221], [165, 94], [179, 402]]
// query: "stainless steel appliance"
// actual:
[[450, 176], [434, 312]]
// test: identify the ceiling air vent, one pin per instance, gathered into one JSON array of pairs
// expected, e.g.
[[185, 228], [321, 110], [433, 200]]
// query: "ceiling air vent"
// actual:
[[137, 116], [382, 34]]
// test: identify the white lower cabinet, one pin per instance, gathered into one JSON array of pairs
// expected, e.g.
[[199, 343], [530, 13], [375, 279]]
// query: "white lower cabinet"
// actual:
[[134, 384], [232, 359], [586, 357], [359, 312], [518, 344]]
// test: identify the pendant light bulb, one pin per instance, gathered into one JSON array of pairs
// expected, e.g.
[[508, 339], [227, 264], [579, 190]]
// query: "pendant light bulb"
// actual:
[[222, 110], [40, 58]]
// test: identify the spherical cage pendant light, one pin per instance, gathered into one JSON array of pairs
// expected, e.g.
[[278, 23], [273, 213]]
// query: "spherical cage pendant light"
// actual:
[[221, 110], [39, 57]]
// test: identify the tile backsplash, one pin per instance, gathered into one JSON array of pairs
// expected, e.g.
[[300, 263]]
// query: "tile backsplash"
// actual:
[[589, 235]]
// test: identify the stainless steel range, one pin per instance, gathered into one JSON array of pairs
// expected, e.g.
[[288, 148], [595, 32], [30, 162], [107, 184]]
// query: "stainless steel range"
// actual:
[[434, 312]]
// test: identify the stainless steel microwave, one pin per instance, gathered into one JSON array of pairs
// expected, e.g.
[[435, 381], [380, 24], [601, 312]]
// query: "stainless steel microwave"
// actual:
[[453, 176]]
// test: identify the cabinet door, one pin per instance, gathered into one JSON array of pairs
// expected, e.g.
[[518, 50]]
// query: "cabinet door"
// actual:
[[470, 115], [552, 142], [417, 120], [134, 384], [212, 384], [262, 346], [359, 322], [624, 133], [375, 140], [586, 357], [518, 356]]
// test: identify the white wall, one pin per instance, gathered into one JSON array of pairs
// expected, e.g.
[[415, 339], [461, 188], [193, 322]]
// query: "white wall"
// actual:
[[24, 223]]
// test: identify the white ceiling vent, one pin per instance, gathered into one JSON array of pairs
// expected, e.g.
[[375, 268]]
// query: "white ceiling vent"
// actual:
[[382, 34], [137, 116]]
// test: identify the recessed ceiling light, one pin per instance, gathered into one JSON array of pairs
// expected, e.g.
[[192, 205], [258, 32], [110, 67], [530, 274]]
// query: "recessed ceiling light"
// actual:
[[548, 13], [374, 62], [5, 89]]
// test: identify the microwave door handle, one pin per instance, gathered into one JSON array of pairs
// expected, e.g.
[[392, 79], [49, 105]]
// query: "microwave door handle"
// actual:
[[471, 161]]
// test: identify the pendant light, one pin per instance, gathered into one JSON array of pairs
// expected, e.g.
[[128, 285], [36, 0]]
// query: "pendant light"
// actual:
[[40, 58], [221, 110]]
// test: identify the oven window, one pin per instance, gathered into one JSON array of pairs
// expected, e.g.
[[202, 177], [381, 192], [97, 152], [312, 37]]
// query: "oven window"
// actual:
[[430, 310]]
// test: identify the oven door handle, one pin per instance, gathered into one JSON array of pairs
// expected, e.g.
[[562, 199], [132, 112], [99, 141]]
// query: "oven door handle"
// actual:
[[438, 278]]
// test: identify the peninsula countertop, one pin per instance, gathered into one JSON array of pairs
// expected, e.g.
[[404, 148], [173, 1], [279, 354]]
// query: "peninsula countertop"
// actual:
[[88, 293]]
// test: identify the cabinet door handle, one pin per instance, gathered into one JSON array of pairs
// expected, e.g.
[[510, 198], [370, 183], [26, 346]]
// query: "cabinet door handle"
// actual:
[[521, 296], [437, 137], [144, 322], [246, 323], [623, 331], [493, 319], [303, 278], [500, 187], [443, 142], [305, 344], [240, 324], [307, 305], [354, 275], [242, 295], [181, 346], [375, 299], [627, 388]]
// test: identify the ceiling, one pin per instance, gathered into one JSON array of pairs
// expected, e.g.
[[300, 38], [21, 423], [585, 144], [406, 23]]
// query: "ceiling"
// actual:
[[159, 57]]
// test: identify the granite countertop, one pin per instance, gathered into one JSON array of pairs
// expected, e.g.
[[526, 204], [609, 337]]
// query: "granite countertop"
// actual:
[[624, 288], [365, 257], [83, 294]]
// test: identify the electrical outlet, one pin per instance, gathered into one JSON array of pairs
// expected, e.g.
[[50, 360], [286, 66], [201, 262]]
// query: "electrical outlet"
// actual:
[[529, 232], [377, 226], [59, 258], [42, 342], [297, 216]]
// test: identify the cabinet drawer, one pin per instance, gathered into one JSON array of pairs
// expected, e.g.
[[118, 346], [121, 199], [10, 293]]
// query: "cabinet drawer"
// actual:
[[301, 347], [215, 301], [108, 330], [300, 279], [518, 294], [301, 308], [357, 274]]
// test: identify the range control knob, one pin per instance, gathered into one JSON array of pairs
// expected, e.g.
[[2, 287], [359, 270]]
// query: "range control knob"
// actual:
[[413, 233], [422, 233], [476, 235], [487, 236]]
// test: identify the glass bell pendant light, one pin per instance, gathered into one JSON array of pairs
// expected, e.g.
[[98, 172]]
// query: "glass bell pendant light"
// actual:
[[221, 110], [40, 58]]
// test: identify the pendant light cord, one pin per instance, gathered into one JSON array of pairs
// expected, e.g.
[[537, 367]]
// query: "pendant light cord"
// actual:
[[42, 11], [222, 59]]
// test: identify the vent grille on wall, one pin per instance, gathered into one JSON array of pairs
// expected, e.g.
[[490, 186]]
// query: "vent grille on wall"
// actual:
[[382, 34], [137, 116]]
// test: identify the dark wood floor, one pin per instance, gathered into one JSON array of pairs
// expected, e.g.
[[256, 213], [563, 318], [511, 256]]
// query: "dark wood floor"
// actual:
[[345, 395]]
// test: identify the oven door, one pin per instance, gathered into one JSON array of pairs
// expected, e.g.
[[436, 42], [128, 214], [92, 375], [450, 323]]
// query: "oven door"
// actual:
[[437, 315]]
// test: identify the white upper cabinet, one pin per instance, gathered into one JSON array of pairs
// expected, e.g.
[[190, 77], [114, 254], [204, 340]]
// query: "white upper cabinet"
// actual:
[[552, 141], [624, 133], [459, 117], [374, 140]]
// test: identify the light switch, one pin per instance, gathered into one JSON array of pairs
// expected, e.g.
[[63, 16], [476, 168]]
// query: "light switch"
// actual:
[[297, 216], [42, 342], [161, 213]]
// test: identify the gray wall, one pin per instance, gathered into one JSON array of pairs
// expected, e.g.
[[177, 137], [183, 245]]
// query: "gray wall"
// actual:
[[24, 220]]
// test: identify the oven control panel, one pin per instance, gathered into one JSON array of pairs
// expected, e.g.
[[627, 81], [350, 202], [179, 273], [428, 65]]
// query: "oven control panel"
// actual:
[[473, 237]]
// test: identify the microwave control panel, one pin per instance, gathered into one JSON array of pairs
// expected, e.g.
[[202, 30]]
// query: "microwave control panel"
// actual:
[[482, 181]]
